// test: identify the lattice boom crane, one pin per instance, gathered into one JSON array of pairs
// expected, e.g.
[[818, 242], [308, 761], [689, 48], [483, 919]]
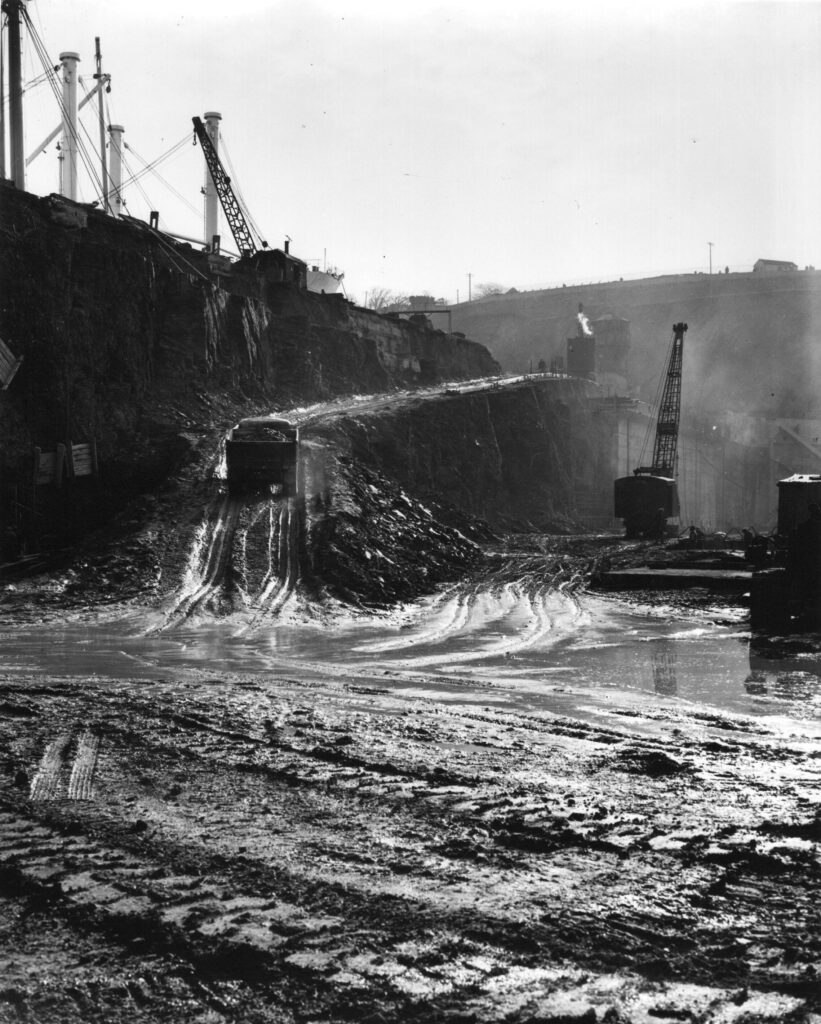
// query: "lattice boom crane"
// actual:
[[222, 183], [666, 444], [646, 500]]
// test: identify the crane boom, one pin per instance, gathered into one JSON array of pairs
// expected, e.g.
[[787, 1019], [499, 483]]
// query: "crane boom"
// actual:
[[222, 183], [664, 451]]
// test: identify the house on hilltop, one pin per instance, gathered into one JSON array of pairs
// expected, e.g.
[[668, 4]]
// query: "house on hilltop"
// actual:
[[773, 266]]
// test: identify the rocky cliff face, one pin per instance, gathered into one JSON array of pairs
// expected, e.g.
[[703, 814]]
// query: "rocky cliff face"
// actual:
[[139, 344], [511, 457]]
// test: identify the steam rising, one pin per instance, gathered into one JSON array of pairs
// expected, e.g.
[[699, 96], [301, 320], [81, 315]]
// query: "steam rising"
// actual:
[[585, 330]]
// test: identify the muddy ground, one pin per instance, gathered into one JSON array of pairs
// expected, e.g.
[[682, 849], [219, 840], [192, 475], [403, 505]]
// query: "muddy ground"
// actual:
[[322, 845], [195, 847]]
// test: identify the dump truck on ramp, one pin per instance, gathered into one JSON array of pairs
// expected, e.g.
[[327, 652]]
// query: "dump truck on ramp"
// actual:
[[260, 452]]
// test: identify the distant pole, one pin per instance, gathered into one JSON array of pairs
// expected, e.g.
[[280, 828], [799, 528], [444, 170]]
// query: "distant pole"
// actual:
[[99, 76], [457, 296], [470, 292], [710, 244]]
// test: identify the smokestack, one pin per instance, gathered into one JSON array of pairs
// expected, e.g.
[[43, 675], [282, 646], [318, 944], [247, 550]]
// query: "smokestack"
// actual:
[[116, 169], [68, 166], [585, 330], [212, 126]]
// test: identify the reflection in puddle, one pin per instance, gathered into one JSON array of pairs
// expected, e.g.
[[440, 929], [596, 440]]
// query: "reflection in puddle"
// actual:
[[785, 670], [664, 669], [515, 643]]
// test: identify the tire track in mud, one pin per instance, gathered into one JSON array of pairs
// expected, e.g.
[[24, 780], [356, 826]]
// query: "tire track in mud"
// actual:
[[207, 561], [46, 782], [82, 773], [211, 553], [283, 572], [326, 941], [542, 607], [420, 916]]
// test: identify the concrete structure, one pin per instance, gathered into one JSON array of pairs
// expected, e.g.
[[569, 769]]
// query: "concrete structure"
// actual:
[[612, 351], [68, 154], [211, 213]]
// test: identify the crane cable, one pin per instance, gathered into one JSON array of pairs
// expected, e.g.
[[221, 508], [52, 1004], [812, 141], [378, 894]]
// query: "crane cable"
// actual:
[[652, 423], [258, 236]]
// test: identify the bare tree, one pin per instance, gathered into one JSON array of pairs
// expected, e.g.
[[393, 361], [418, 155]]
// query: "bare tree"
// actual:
[[482, 291], [383, 300]]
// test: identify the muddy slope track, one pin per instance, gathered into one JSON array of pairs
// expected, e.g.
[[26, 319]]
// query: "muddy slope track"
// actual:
[[215, 849], [244, 554]]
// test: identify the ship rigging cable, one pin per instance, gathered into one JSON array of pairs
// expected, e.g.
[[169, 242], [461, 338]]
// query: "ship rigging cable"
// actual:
[[152, 167], [240, 197], [48, 69]]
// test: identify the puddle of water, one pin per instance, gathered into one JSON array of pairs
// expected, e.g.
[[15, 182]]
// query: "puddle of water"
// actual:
[[511, 645]]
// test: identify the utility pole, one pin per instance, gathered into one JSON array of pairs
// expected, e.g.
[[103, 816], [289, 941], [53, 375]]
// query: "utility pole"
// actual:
[[470, 293], [12, 9], [100, 76], [710, 244], [2, 108]]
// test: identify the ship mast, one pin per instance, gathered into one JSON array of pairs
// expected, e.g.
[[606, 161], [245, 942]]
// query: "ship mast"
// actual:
[[12, 9], [104, 183]]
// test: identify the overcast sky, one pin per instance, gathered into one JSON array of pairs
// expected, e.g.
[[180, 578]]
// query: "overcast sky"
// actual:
[[523, 143]]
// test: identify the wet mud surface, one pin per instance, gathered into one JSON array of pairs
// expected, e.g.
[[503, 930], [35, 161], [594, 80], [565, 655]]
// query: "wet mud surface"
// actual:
[[427, 822], [192, 846]]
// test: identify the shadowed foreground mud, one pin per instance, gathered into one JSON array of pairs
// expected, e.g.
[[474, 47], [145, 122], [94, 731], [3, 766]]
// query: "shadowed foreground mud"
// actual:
[[192, 848]]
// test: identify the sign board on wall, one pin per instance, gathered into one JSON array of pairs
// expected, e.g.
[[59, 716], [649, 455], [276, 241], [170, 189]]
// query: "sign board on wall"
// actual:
[[69, 460], [48, 466]]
